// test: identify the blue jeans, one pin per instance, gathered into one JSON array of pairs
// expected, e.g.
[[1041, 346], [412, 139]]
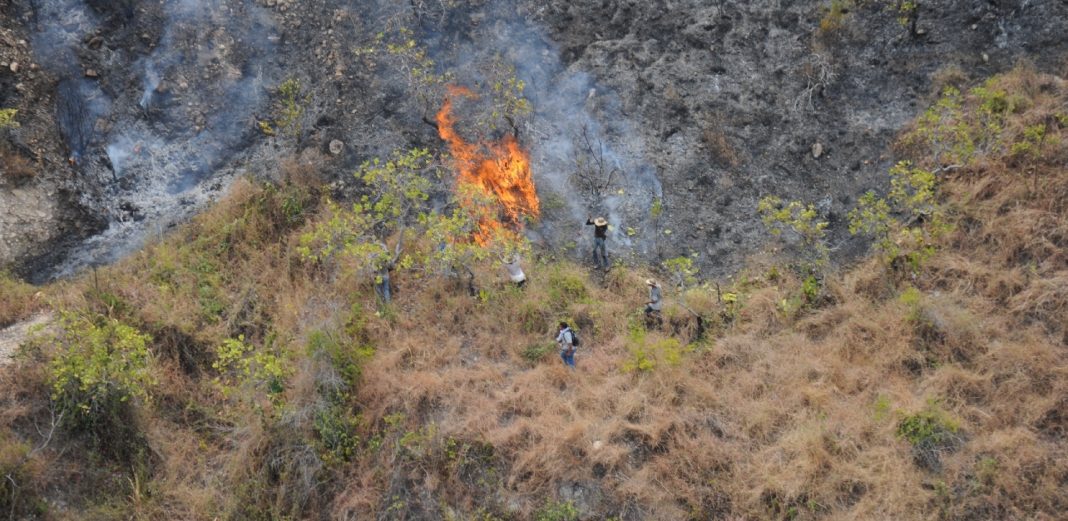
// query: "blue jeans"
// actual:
[[568, 356], [382, 288], [600, 253]]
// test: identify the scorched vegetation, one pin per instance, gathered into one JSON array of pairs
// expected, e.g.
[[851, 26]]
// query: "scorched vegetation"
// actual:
[[243, 367]]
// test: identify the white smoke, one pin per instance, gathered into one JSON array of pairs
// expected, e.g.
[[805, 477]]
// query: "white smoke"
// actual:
[[202, 84], [569, 109]]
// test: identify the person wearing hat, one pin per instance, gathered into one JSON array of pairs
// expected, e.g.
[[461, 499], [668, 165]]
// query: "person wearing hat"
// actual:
[[655, 298], [600, 236], [515, 271]]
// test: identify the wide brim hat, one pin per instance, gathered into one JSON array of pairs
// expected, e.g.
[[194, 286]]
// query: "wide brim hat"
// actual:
[[651, 282], [600, 221]]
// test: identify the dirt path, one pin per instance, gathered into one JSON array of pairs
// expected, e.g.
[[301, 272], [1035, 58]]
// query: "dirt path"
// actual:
[[12, 336]]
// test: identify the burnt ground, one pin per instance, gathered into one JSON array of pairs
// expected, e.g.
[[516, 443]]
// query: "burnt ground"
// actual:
[[706, 107]]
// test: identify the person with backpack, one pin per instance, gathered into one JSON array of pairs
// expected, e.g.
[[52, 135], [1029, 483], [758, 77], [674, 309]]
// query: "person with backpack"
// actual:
[[600, 238], [568, 341]]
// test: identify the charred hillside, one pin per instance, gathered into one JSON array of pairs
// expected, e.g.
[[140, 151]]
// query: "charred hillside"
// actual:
[[799, 99], [697, 110], [244, 366]]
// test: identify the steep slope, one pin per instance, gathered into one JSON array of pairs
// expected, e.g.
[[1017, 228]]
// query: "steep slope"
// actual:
[[925, 382]]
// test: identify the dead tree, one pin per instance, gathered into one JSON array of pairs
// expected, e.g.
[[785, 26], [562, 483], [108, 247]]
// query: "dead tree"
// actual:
[[593, 171]]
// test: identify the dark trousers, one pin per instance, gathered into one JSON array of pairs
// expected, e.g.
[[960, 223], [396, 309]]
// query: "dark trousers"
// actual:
[[382, 288], [600, 252]]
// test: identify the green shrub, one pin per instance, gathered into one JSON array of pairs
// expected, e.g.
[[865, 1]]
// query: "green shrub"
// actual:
[[931, 425], [1029, 147], [881, 408], [682, 270], [566, 289], [647, 353], [931, 432], [335, 429], [557, 511], [533, 318], [101, 366], [536, 352], [7, 118], [913, 195], [251, 367], [986, 471], [811, 288], [912, 299], [289, 109], [345, 358], [339, 365]]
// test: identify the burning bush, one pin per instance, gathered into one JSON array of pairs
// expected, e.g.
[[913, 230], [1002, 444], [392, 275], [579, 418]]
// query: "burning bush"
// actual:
[[500, 170]]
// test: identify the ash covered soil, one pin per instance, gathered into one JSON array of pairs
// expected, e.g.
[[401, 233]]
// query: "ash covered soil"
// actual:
[[133, 115]]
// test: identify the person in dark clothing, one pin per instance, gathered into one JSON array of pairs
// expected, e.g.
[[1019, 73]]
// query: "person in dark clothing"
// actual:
[[600, 236], [655, 304], [382, 283]]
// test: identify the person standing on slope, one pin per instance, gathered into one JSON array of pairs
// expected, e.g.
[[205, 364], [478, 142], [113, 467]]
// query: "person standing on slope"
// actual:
[[655, 304], [565, 340], [600, 237], [656, 298], [515, 271]]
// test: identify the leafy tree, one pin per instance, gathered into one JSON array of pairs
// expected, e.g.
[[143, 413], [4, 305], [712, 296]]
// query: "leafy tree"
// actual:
[[456, 241], [914, 197], [358, 237], [506, 101], [955, 135], [412, 60], [800, 220]]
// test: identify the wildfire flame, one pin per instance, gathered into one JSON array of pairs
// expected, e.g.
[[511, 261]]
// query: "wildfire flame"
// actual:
[[499, 170]]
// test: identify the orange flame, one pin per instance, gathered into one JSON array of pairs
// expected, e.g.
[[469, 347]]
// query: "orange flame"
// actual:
[[500, 170]]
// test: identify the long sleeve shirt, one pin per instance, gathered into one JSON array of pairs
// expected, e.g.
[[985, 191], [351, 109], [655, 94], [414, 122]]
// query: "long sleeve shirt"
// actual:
[[655, 298], [564, 339], [515, 272]]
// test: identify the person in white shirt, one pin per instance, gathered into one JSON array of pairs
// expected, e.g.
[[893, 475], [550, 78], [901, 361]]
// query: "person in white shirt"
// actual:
[[515, 271], [565, 339]]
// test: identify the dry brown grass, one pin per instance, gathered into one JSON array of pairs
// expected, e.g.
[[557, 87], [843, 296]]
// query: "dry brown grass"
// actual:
[[772, 415], [16, 168], [19, 300]]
